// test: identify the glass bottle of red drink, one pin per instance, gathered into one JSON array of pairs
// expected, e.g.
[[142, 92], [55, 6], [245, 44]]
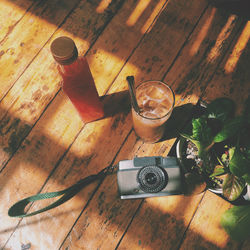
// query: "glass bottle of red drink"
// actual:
[[78, 82]]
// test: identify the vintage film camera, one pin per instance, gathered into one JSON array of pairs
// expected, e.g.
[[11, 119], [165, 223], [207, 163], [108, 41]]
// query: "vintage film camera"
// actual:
[[149, 177]]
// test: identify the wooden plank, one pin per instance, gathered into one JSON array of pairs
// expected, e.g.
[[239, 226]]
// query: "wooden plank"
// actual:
[[205, 230], [28, 37], [78, 154], [11, 13], [43, 135], [108, 56], [197, 62], [232, 78], [97, 217], [84, 158], [18, 50], [25, 102]]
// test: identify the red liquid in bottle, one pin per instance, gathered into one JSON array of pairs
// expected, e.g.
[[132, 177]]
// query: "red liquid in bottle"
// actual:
[[79, 86]]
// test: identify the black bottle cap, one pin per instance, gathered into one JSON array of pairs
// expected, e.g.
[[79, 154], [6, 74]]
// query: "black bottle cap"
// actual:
[[64, 50]]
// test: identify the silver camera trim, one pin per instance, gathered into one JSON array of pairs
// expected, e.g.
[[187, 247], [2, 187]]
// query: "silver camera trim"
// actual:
[[129, 187]]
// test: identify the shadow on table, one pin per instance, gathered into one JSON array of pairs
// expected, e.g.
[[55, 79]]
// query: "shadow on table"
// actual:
[[116, 103], [237, 7], [151, 226], [113, 206]]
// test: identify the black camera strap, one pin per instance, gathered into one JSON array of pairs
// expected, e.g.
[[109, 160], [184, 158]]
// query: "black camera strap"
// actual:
[[17, 210]]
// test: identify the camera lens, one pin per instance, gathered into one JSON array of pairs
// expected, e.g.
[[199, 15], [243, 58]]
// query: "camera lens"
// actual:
[[152, 179]]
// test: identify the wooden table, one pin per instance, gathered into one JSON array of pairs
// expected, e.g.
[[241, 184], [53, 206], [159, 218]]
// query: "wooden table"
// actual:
[[202, 51]]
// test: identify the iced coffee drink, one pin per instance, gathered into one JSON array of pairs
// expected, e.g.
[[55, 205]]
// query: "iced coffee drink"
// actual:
[[156, 101]]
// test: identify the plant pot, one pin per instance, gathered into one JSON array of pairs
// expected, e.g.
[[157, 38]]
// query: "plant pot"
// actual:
[[180, 147], [247, 195]]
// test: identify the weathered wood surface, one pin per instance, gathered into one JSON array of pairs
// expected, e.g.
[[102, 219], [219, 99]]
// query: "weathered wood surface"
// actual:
[[201, 51]]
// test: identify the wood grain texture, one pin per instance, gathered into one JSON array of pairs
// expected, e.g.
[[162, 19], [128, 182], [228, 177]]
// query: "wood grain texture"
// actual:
[[65, 126], [104, 216], [199, 58], [25, 102], [18, 114], [232, 77], [45, 134], [207, 222], [87, 225], [11, 13], [199, 50], [30, 34]]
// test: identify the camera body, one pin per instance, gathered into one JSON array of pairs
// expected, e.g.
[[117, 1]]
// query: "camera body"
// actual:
[[149, 177]]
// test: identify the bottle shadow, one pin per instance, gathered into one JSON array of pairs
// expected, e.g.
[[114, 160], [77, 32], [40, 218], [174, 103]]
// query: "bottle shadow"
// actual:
[[116, 103]]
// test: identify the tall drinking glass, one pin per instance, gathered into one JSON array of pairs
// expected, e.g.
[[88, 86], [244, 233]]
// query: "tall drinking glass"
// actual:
[[156, 102]]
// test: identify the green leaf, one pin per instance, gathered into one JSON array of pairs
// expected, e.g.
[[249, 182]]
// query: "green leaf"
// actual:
[[233, 187], [201, 131], [221, 108], [189, 137], [236, 222], [239, 163], [201, 134], [229, 129], [231, 152], [218, 170]]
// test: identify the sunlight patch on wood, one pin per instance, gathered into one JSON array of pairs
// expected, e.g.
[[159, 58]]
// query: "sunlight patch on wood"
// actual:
[[185, 98], [102, 63], [180, 206], [34, 229], [162, 148], [166, 204], [139, 9], [203, 33], [26, 108], [206, 225], [9, 14], [238, 49], [215, 235], [153, 15], [222, 37], [61, 121], [103, 5], [17, 178]]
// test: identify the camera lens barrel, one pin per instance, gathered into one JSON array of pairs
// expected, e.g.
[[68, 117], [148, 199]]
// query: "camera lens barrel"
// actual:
[[152, 179]]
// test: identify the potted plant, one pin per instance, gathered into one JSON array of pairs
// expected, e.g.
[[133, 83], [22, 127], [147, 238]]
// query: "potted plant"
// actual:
[[217, 147]]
